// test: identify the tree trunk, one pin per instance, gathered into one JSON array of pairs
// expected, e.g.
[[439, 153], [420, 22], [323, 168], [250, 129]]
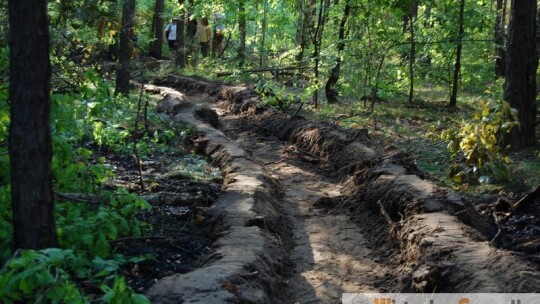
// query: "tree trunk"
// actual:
[[262, 52], [317, 42], [180, 60], [242, 27], [29, 131], [316, 53], [521, 65], [309, 11], [412, 58], [299, 39], [157, 25], [498, 39], [459, 48], [123, 72], [191, 29], [331, 94]]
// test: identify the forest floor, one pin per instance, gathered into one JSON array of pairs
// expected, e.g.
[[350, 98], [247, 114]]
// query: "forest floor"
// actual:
[[308, 211]]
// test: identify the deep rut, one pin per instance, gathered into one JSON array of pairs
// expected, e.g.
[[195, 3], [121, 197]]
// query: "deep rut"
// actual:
[[283, 225], [328, 252]]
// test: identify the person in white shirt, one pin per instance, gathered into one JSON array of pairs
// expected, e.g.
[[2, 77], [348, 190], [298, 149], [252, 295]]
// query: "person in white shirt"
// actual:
[[170, 34]]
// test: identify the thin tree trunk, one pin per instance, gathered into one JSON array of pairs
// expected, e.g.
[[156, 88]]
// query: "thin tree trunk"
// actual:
[[331, 94], [498, 40], [123, 72], [521, 66], [459, 48], [308, 28], [180, 60], [324, 4], [190, 33], [262, 52], [29, 131], [412, 58], [242, 27], [299, 39], [157, 25]]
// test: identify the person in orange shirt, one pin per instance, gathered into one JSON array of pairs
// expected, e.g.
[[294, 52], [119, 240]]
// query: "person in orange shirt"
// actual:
[[204, 35]]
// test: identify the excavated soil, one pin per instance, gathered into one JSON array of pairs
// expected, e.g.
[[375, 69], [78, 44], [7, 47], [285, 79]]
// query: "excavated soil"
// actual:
[[309, 211]]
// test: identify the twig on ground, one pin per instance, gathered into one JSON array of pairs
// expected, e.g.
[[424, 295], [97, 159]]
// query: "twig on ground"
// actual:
[[528, 199], [80, 198], [385, 214], [499, 231]]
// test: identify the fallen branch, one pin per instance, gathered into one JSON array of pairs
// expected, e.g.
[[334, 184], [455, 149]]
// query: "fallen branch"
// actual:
[[385, 214], [141, 238], [261, 70], [79, 198], [499, 231], [298, 111], [528, 199], [293, 149]]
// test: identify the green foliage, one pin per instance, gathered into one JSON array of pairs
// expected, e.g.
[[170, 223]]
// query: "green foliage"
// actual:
[[52, 275], [280, 96], [475, 145], [121, 293], [5, 214], [86, 117], [41, 276], [89, 229]]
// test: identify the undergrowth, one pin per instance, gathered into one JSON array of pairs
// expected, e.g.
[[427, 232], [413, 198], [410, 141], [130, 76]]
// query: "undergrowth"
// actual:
[[89, 213], [463, 151]]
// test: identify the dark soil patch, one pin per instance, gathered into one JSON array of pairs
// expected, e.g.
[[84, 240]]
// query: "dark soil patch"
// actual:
[[175, 248], [176, 239], [517, 230]]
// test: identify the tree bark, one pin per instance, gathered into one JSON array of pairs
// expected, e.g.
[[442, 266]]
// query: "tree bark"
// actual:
[[262, 52], [29, 131], [498, 39], [331, 94], [459, 49], [299, 39], [242, 27], [157, 24], [123, 72], [191, 29], [520, 77], [317, 42], [180, 60], [412, 57]]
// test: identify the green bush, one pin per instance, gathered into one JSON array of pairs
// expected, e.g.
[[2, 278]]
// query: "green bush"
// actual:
[[475, 144]]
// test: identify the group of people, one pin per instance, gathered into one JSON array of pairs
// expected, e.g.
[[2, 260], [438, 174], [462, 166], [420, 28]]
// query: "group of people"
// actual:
[[203, 35]]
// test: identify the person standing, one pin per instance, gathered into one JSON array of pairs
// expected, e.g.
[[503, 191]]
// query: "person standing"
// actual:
[[219, 28], [204, 35], [170, 34]]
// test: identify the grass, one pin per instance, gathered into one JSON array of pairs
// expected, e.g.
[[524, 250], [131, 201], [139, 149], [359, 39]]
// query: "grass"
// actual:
[[396, 122]]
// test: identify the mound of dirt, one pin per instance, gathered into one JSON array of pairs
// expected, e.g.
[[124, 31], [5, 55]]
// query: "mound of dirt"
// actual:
[[436, 251]]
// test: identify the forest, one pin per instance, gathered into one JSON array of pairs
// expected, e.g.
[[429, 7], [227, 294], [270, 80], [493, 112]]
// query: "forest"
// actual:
[[266, 151]]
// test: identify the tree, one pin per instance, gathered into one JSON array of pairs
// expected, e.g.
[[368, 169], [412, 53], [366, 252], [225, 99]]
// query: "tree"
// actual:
[[317, 38], [520, 76], [30, 146], [331, 94], [123, 72], [191, 30], [242, 27], [498, 39], [157, 24], [180, 60], [411, 16], [459, 49]]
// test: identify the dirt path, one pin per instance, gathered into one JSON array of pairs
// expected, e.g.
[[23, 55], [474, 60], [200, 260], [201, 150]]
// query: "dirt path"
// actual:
[[299, 219], [329, 253]]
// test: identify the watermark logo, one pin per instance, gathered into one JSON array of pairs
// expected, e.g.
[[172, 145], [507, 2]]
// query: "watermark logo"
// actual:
[[440, 298]]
